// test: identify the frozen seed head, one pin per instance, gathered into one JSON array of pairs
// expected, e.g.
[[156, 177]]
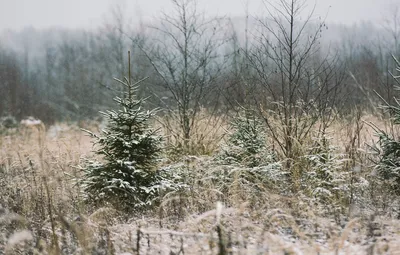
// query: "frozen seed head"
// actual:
[[19, 237], [357, 169]]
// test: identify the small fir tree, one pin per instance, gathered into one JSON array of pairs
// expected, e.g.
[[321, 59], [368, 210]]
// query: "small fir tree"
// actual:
[[388, 147], [325, 178], [126, 178], [246, 144], [247, 158]]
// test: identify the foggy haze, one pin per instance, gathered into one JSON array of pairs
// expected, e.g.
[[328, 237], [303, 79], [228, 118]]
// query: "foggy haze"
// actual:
[[17, 14]]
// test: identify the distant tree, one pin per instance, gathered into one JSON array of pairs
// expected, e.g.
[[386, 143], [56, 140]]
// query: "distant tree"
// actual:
[[10, 77], [387, 46], [297, 84], [73, 75], [113, 39], [391, 24], [186, 56], [113, 43], [238, 90]]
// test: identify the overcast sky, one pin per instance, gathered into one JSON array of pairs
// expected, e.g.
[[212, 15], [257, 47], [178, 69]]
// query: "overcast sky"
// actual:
[[17, 14]]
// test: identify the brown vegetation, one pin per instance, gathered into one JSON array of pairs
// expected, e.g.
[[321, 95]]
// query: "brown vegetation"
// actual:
[[44, 212]]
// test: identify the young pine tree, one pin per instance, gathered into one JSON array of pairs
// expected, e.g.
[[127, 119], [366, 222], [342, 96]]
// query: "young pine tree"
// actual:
[[247, 142], [388, 147], [126, 178]]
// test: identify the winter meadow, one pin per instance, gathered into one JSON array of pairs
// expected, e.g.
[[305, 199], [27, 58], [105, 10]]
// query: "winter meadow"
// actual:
[[200, 134]]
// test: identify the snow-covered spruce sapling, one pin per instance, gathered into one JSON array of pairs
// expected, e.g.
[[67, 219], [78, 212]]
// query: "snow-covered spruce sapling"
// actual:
[[388, 147], [325, 178], [126, 177], [246, 144]]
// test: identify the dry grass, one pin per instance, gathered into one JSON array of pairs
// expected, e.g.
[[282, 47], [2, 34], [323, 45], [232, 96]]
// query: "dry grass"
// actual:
[[42, 210], [207, 132]]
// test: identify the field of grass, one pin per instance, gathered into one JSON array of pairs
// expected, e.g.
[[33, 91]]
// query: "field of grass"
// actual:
[[228, 208]]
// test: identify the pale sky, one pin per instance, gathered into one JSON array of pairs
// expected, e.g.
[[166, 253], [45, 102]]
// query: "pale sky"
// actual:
[[17, 14]]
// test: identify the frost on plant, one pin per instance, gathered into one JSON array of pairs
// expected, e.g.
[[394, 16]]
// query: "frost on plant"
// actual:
[[246, 144], [326, 179], [247, 156], [388, 148], [126, 177]]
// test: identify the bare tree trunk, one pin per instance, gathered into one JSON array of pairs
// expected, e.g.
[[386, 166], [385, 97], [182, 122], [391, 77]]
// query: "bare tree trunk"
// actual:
[[186, 56], [286, 63]]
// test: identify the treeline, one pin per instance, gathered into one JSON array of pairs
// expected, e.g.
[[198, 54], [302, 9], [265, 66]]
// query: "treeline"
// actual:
[[194, 62]]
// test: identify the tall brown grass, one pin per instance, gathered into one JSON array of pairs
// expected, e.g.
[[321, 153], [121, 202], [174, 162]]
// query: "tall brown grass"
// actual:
[[42, 210]]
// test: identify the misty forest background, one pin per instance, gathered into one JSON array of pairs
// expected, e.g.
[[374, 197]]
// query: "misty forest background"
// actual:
[[61, 74]]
